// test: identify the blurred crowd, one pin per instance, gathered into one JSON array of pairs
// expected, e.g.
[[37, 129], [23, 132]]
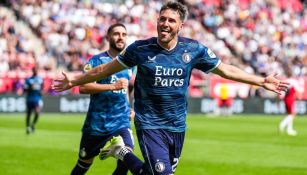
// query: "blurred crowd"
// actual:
[[260, 36]]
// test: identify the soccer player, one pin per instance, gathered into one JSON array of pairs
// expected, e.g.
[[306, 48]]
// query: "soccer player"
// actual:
[[33, 88], [289, 97], [109, 110], [164, 66]]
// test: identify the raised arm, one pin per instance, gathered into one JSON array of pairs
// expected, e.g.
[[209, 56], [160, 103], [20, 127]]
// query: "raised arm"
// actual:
[[99, 72], [93, 88], [233, 73]]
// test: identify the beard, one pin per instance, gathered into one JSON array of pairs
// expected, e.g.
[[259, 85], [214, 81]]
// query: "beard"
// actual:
[[115, 47], [167, 38]]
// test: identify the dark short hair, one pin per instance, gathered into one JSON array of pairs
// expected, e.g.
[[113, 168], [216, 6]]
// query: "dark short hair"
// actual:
[[113, 26], [176, 6]]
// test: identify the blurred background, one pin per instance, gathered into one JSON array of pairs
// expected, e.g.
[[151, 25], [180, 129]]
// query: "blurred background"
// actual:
[[259, 36]]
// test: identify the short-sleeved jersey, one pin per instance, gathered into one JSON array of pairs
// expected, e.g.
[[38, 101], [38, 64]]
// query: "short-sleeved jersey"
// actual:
[[33, 86], [108, 111], [162, 80]]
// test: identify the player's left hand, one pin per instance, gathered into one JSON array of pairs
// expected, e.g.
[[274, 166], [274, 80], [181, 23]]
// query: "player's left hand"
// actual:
[[273, 84], [63, 83]]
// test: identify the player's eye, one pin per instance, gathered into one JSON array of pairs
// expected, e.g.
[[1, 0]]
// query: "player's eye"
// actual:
[[162, 19]]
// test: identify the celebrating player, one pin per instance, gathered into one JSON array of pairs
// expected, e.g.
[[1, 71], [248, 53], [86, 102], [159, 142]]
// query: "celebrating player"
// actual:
[[33, 88], [109, 110], [164, 66]]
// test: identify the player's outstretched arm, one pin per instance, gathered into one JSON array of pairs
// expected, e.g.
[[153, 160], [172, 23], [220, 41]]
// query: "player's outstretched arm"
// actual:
[[99, 72], [233, 73], [93, 88]]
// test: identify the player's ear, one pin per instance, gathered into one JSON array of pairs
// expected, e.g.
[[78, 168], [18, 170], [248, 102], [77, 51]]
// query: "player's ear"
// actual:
[[108, 38], [180, 26]]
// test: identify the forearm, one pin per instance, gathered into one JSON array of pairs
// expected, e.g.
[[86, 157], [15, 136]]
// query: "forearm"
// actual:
[[93, 88], [98, 73], [90, 76], [236, 74]]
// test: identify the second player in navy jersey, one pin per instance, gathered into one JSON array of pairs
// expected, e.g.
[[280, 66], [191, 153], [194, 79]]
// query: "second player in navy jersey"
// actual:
[[164, 66], [109, 110], [33, 88]]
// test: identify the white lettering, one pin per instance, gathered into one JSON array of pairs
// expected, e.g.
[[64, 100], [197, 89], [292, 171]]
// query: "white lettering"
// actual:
[[12, 104], [168, 72], [78, 105], [158, 70]]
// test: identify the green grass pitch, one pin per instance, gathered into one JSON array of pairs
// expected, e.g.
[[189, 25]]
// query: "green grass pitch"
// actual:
[[237, 145]]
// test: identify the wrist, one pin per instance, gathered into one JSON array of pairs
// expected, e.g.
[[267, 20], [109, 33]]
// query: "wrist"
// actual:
[[263, 81], [74, 82]]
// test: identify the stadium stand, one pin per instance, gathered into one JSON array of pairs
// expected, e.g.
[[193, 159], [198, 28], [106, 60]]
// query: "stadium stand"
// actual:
[[258, 35]]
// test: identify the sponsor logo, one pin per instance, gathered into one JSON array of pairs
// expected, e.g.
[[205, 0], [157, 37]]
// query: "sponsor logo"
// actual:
[[168, 76], [159, 166]]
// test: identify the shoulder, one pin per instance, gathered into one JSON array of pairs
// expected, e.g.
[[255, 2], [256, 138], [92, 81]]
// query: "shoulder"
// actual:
[[144, 43], [187, 40], [191, 43], [101, 56], [99, 59]]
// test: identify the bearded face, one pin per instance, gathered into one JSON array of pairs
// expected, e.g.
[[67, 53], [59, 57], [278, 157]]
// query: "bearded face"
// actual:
[[168, 26], [117, 38]]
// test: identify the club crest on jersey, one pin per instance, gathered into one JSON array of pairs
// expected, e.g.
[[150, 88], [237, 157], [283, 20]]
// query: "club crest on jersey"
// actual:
[[210, 53], [82, 152], [186, 57], [159, 166], [87, 68], [152, 59]]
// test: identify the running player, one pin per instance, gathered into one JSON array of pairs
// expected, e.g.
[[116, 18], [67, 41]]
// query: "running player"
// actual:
[[164, 66], [33, 88], [109, 110]]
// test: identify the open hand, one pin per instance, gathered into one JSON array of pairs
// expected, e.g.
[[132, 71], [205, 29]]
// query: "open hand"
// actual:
[[273, 84], [63, 83]]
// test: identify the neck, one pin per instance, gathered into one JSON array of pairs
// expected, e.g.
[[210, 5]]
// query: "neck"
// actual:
[[170, 45], [113, 53]]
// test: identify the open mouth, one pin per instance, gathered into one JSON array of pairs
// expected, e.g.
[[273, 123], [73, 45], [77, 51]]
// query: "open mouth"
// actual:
[[165, 31]]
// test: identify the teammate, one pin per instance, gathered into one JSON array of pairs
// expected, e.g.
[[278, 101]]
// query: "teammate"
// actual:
[[164, 66], [289, 97], [33, 88], [109, 109]]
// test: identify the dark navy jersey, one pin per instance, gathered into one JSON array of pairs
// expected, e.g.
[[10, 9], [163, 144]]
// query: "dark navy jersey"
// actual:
[[162, 80], [33, 86], [108, 111]]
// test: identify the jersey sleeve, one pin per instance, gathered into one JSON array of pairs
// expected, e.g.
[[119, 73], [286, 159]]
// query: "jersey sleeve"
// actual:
[[89, 65], [128, 57], [207, 61]]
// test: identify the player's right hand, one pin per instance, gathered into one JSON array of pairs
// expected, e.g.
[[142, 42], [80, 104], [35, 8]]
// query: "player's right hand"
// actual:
[[63, 83], [121, 83]]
